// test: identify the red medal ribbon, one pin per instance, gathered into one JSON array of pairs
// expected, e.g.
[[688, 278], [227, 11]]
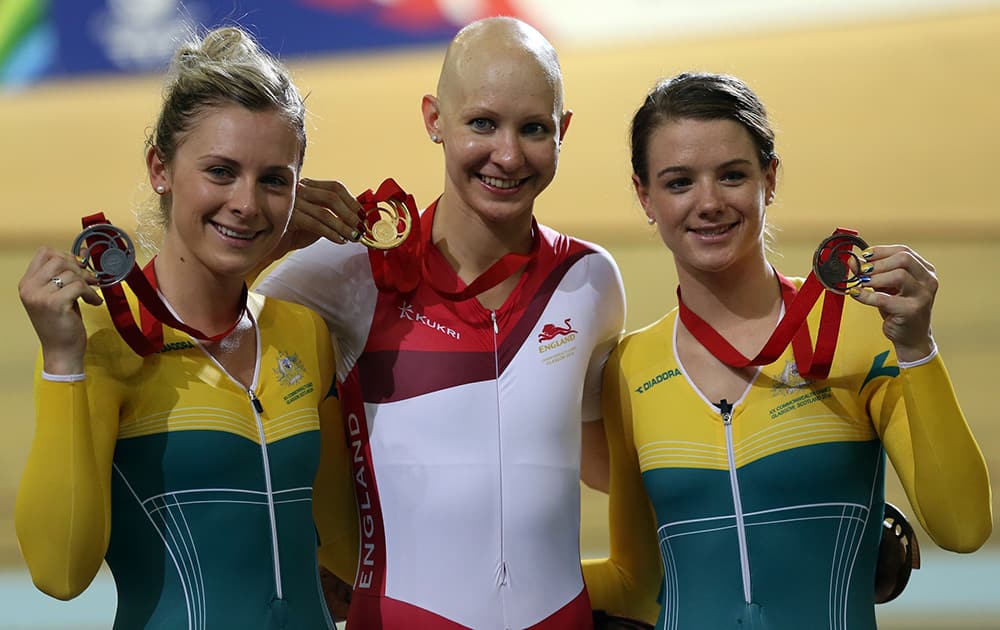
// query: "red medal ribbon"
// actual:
[[403, 268], [395, 269], [153, 313], [793, 328], [505, 267]]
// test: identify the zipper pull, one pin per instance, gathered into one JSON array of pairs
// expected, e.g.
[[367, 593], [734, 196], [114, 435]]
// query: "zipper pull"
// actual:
[[255, 401], [493, 316], [727, 411]]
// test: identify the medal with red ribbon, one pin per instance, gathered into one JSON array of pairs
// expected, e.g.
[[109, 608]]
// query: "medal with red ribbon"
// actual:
[[405, 266], [389, 215], [111, 256], [390, 208], [833, 271]]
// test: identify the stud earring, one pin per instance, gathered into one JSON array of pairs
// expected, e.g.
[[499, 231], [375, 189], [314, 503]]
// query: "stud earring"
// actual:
[[160, 190], [650, 220], [435, 139]]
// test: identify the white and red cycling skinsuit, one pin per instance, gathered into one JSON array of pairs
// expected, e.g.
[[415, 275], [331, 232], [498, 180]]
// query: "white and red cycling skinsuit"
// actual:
[[464, 425]]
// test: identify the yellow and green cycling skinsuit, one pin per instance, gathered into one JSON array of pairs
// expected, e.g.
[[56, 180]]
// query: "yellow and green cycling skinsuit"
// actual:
[[765, 513], [200, 493]]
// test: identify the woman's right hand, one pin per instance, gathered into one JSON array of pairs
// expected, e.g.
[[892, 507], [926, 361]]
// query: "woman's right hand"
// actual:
[[49, 291], [323, 208]]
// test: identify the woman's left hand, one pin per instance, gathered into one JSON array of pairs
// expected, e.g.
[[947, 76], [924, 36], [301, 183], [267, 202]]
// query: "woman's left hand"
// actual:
[[902, 286]]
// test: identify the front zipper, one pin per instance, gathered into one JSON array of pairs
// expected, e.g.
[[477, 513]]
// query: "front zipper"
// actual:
[[726, 410], [258, 409], [503, 571]]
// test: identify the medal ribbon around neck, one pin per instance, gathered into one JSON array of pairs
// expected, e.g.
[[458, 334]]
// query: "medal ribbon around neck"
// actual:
[[831, 272], [111, 256], [403, 267], [505, 267]]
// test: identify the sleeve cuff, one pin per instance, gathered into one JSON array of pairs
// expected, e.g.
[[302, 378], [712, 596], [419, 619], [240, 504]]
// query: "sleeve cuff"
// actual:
[[918, 362], [63, 378]]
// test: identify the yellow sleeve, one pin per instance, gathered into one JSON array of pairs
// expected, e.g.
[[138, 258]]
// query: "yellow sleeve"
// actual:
[[335, 511], [63, 511], [936, 456], [627, 583]]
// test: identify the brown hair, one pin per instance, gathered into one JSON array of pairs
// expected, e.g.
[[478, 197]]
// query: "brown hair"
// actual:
[[701, 96]]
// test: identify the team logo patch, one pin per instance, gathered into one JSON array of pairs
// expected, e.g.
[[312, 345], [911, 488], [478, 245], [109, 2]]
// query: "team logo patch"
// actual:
[[788, 381], [291, 373], [176, 345], [662, 377], [879, 368], [551, 331], [555, 342], [289, 370], [407, 312]]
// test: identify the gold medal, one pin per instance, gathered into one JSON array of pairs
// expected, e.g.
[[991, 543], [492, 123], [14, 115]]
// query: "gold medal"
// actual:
[[387, 225]]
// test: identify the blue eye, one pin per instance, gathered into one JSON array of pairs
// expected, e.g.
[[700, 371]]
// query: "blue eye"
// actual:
[[734, 176], [482, 124], [678, 183]]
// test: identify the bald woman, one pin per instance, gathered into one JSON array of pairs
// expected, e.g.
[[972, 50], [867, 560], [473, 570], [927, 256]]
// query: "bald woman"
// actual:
[[467, 399]]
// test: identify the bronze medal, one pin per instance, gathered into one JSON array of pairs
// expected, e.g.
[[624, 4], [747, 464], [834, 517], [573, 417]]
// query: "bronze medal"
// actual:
[[836, 264]]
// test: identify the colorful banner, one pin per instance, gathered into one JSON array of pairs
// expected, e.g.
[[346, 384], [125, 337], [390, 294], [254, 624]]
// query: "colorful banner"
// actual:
[[41, 40]]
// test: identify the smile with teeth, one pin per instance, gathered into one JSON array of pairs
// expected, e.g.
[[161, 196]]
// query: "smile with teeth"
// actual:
[[244, 236], [497, 182], [714, 231]]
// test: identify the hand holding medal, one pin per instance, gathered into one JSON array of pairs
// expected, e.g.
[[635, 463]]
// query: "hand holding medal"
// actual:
[[49, 290], [327, 209], [901, 285]]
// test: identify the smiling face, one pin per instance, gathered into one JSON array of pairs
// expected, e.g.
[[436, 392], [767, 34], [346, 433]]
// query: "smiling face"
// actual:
[[232, 181], [707, 192], [498, 115]]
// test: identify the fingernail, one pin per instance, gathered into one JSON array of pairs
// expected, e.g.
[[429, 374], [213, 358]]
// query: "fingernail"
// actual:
[[854, 292], [356, 235], [867, 268], [865, 278], [867, 254]]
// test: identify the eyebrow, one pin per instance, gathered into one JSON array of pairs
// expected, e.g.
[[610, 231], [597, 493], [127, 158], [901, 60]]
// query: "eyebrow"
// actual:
[[231, 162], [684, 169]]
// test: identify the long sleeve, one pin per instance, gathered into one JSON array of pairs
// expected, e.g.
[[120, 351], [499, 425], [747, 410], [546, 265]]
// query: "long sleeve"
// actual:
[[63, 510], [936, 456], [627, 583]]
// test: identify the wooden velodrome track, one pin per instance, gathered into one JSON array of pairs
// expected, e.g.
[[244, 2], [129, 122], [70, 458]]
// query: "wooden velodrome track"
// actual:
[[889, 128]]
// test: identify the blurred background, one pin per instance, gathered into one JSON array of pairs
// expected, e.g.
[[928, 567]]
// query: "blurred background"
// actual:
[[886, 113]]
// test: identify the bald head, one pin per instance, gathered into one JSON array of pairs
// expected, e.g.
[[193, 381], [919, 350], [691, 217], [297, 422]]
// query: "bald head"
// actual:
[[482, 47]]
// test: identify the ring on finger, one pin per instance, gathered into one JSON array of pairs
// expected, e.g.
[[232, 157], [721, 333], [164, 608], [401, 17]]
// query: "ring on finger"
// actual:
[[56, 280]]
